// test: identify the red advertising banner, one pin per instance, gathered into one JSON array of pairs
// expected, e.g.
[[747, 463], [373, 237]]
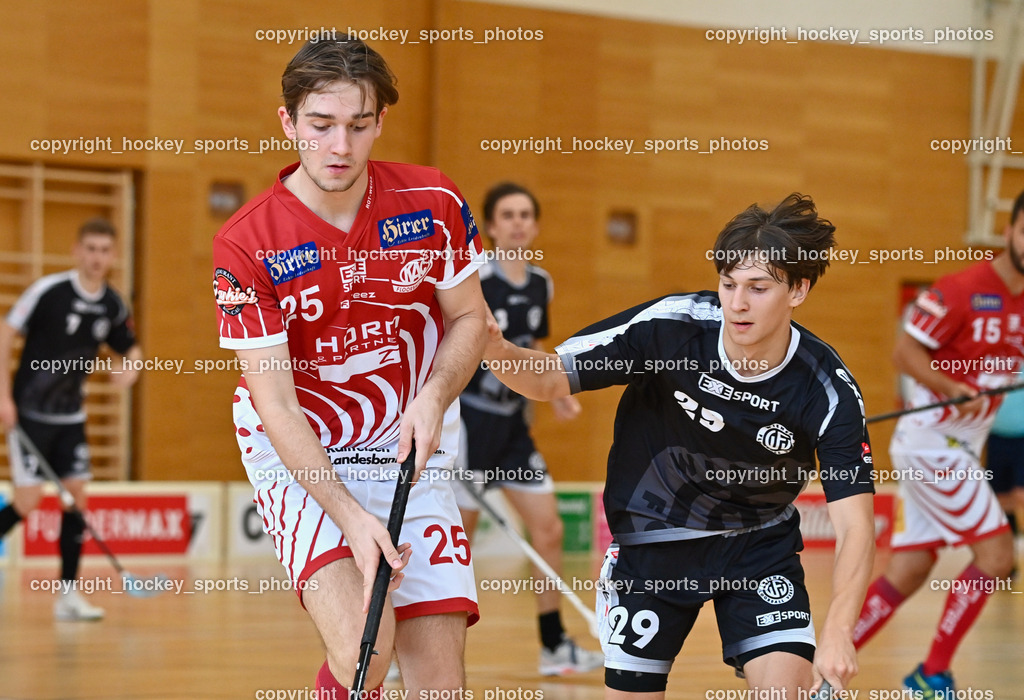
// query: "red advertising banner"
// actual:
[[128, 523]]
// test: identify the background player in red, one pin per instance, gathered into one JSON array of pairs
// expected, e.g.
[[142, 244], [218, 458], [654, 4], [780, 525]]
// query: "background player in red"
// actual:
[[64, 318], [729, 407], [348, 291], [498, 449], [962, 335]]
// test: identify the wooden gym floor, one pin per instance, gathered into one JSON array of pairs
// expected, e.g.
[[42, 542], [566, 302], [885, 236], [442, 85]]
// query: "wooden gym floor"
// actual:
[[237, 643]]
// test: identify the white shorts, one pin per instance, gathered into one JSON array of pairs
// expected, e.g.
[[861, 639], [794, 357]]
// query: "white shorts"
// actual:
[[439, 576], [944, 497]]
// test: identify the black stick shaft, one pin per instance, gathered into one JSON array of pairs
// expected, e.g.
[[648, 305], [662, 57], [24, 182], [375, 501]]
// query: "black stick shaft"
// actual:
[[380, 583], [947, 402], [65, 496]]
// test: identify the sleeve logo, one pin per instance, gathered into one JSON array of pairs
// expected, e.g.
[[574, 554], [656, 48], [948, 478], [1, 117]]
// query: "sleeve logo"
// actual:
[[405, 228], [470, 222], [229, 293], [931, 303], [286, 265]]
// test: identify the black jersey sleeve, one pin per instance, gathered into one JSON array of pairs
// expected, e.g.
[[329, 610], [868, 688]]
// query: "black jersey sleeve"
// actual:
[[614, 351], [844, 449], [122, 333]]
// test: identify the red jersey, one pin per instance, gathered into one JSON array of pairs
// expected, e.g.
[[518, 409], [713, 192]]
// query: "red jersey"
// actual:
[[972, 326], [358, 310]]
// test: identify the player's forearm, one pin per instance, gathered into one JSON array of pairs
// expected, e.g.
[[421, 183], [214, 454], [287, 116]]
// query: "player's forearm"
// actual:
[[913, 359], [457, 358], [534, 374], [855, 553]]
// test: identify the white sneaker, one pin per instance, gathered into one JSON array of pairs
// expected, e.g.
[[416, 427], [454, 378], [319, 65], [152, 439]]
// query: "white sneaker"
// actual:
[[568, 658], [72, 607]]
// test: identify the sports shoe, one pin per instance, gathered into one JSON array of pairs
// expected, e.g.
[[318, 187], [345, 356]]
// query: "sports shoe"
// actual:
[[568, 658], [72, 607], [925, 687]]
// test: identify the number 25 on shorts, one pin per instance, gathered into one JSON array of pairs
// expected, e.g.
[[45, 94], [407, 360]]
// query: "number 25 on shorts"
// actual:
[[442, 553]]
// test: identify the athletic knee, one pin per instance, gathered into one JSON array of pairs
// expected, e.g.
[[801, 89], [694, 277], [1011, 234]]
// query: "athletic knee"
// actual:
[[547, 533], [996, 561], [27, 501], [907, 574]]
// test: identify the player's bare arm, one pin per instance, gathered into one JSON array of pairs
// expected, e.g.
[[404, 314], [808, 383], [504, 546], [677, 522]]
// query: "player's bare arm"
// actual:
[[913, 359], [535, 374], [273, 395], [458, 355], [853, 519], [565, 407], [8, 412]]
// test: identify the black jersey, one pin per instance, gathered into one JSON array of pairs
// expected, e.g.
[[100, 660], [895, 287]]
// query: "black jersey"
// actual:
[[521, 311], [699, 449], [63, 327]]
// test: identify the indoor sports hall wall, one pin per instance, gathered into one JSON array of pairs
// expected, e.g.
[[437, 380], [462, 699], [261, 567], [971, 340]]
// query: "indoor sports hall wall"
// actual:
[[850, 125]]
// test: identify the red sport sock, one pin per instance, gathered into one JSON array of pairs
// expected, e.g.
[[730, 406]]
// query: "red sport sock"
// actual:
[[329, 688], [880, 603], [963, 605]]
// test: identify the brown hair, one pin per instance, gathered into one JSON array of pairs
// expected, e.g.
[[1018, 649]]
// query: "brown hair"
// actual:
[[502, 190], [791, 239], [320, 63], [96, 225]]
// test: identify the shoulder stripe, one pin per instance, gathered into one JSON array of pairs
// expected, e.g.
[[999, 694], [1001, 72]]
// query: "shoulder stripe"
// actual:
[[23, 308], [680, 308]]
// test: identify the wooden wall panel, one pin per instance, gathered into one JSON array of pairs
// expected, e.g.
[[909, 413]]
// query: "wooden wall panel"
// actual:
[[849, 125]]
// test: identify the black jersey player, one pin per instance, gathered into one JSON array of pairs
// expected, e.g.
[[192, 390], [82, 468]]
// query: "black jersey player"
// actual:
[[497, 450], [64, 318], [728, 405]]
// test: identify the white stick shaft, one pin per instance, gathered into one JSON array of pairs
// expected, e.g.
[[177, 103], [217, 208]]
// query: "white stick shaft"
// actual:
[[539, 562]]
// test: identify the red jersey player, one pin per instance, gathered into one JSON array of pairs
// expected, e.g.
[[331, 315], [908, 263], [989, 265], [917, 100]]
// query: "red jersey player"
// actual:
[[963, 335], [349, 292]]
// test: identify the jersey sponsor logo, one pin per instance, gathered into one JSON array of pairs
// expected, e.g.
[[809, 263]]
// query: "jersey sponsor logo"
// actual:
[[777, 616], [931, 303], [230, 295], [84, 307], [405, 228], [716, 387], [352, 274], [865, 453], [775, 590], [411, 274], [470, 222], [289, 264], [776, 438], [986, 302]]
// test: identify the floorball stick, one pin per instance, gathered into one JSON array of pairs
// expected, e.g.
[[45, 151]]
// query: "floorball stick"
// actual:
[[947, 402], [538, 561], [380, 583], [133, 585]]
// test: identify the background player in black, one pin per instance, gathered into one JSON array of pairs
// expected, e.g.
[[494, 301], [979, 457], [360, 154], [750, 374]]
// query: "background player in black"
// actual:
[[498, 449], [64, 318], [710, 449]]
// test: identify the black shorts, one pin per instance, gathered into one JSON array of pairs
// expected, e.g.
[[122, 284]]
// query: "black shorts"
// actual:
[[498, 452], [1006, 462], [63, 446], [650, 595]]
